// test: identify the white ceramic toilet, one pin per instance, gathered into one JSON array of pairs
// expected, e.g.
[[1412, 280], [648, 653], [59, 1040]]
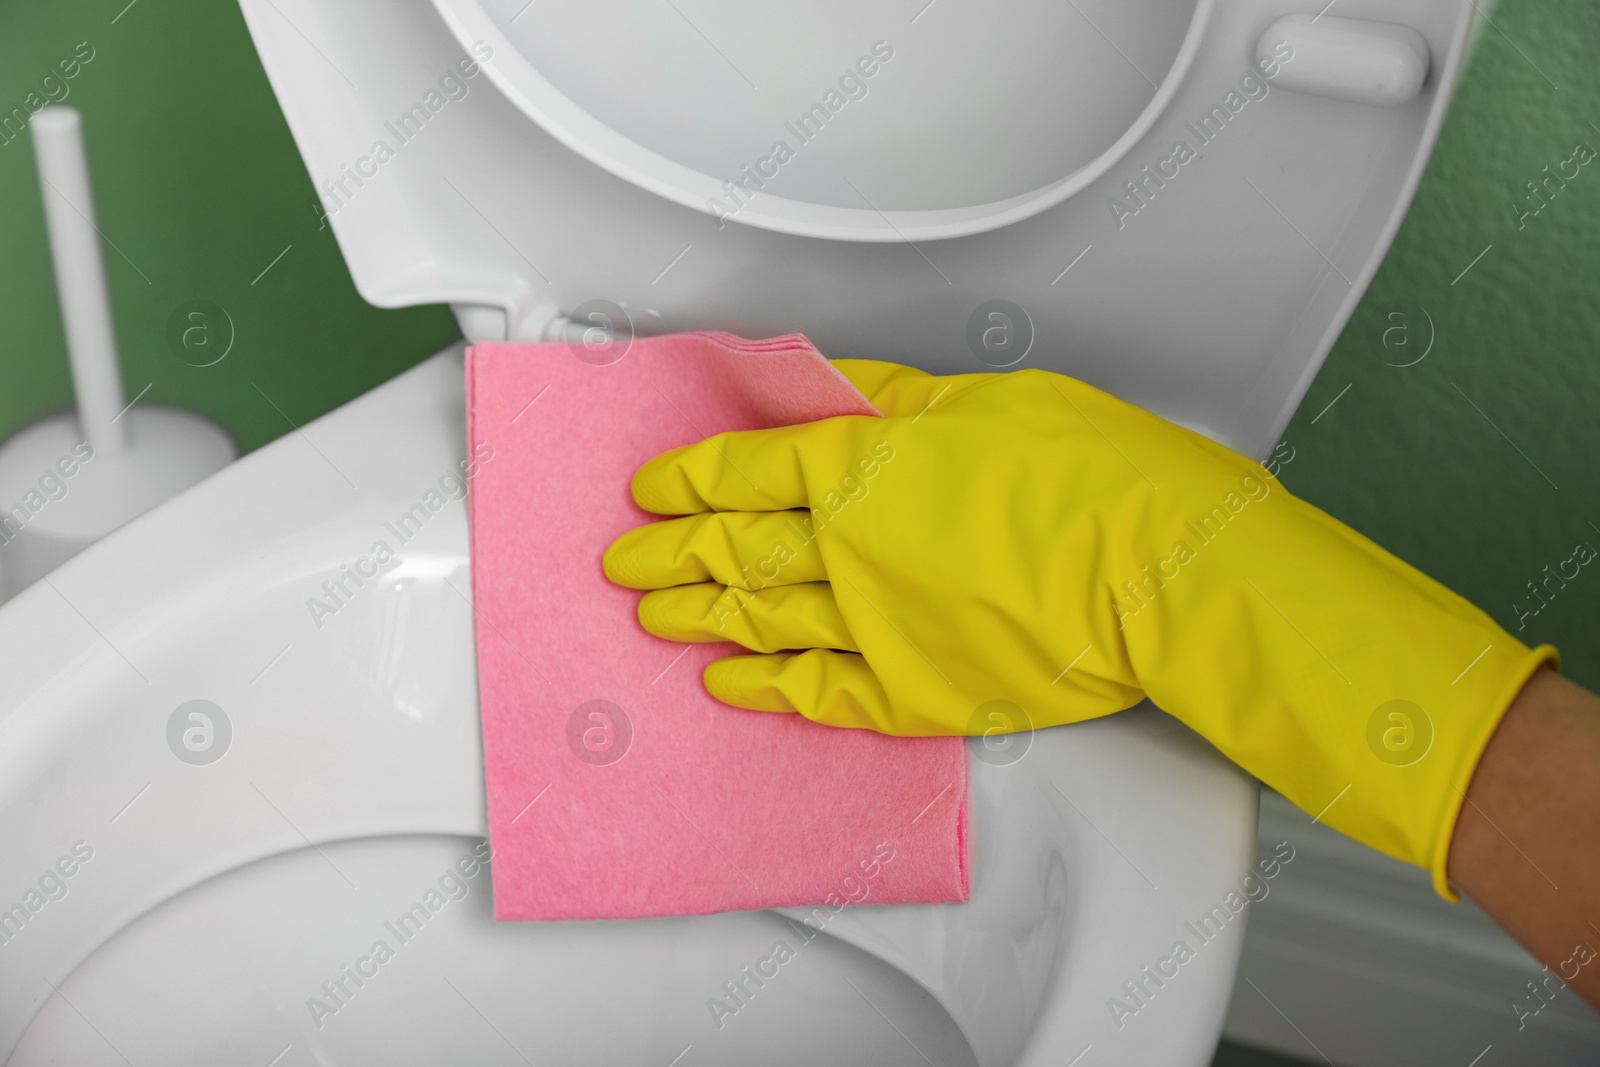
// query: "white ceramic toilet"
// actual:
[[212, 809]]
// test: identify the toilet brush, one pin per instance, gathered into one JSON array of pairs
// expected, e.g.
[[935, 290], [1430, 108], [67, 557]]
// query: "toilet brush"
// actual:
[[68, 480]]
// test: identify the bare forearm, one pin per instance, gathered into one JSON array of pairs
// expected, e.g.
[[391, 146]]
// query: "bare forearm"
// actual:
[[1527, 845]]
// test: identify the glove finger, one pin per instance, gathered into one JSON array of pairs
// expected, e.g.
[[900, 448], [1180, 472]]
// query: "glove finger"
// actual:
[[897, 390], [734, 548], [749, 470], [835, 688], [782, 617]]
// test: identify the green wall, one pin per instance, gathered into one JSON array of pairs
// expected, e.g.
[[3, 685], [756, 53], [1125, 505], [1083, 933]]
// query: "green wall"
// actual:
[[1478, 465], [199, 187]]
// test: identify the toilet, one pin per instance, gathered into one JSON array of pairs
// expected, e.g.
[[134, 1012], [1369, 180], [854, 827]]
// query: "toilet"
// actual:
[[212, 809]]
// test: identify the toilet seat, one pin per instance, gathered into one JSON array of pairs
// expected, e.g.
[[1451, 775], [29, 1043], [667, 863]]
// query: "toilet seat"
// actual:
[[351, 777]]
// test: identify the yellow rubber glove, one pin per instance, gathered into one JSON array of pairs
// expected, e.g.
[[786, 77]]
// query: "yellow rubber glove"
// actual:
[[1022, 549]]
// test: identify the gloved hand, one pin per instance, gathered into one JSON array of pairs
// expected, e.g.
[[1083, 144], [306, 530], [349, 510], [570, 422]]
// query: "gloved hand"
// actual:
[[1024, 538]]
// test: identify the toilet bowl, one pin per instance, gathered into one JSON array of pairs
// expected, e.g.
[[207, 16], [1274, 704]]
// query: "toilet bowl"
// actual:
[[235, 829], [243, 804]]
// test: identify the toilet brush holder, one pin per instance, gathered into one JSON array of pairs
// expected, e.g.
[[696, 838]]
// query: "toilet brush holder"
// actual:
[[70, 479]]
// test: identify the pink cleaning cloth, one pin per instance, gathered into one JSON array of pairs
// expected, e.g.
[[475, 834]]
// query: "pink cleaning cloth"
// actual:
[[618, 788]]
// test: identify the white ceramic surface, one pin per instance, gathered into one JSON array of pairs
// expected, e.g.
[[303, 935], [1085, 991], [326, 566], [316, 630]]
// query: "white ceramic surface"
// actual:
[[241, 859]]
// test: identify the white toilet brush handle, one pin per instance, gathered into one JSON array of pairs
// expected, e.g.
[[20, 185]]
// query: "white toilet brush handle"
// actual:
[[80, 276]]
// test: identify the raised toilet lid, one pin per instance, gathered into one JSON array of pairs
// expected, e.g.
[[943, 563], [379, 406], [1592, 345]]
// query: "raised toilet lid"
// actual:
[[1115, 185]]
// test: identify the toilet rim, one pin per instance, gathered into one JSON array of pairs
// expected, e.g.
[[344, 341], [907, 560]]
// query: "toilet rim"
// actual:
[[41, 733], [538, 98]]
